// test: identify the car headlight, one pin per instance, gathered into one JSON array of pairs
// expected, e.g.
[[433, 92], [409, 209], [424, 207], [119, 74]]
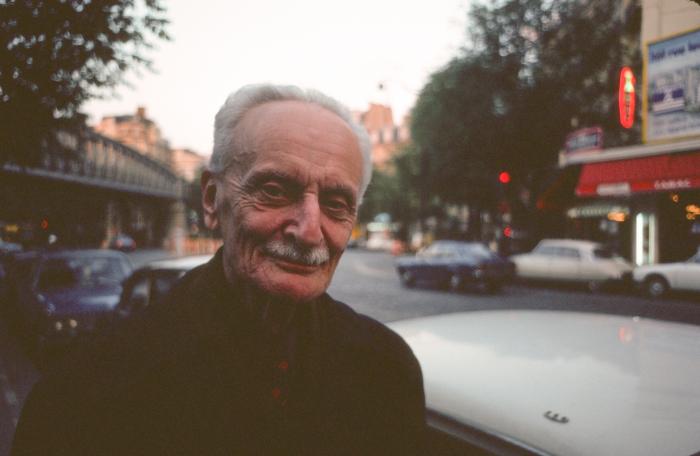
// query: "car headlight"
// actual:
[[58, 326]]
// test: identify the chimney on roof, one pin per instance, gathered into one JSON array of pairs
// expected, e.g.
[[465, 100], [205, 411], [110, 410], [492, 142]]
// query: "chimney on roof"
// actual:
[[141, 112]]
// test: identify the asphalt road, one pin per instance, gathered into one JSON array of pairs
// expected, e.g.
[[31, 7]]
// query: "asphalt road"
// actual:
[[367, 282]]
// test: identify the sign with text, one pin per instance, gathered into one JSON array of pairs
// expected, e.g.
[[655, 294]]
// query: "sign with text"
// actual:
[[586, 139], [672, 88]]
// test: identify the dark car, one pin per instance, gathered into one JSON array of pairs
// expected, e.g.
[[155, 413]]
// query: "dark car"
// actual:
[[148, 283], [123, 243], [58, 295], [455, 265]]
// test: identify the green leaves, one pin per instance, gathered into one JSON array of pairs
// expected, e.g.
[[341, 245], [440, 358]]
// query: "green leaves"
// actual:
[[529, 70], [57, 54]]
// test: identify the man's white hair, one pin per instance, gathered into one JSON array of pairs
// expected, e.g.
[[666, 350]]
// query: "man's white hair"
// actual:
[[250, 96]]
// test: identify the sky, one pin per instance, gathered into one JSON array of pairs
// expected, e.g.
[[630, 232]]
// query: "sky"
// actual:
[[345, 49]]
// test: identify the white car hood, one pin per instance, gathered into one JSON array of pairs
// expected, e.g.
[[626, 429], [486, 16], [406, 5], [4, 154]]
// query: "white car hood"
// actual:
[[626, 385]]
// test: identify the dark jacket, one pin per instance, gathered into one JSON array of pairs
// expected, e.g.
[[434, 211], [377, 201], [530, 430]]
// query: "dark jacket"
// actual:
[[198, 374]]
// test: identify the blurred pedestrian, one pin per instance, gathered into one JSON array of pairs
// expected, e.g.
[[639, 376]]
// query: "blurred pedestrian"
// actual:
[[248, 354]]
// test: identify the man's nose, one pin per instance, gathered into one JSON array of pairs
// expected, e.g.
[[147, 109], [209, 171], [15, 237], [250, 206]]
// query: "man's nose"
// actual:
[[305, 225]]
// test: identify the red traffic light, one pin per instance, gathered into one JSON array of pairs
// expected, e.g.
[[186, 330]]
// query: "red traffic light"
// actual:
[[504, 177]]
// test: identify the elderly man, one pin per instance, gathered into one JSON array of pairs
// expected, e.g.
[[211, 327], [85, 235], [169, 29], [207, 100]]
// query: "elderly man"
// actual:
[[248, 354]]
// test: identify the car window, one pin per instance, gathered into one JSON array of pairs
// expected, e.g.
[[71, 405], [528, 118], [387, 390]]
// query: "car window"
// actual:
[[569, 252], [432, 250], [57, 274], [475, 250], [163, 282], [604, 253], [137, 294], [547, 250], [80, 272]]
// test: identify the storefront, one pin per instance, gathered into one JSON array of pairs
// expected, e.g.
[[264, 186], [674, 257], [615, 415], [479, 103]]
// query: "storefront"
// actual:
[[642, 200]]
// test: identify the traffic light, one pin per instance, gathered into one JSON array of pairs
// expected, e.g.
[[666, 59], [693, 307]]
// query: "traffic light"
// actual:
[[504, 177]]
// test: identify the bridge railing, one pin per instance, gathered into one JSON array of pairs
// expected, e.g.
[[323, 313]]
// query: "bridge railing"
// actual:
[[98, 161]]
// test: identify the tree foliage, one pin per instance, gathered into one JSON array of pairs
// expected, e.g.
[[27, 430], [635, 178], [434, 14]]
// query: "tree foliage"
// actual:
[[56, 54], [394, 191], [532, 72]]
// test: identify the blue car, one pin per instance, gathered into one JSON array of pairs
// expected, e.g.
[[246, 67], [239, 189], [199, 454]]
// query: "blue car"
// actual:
[[456, 265], [58, 295]]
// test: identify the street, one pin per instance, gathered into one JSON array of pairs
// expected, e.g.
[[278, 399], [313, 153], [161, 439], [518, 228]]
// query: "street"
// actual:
[[368, 282]]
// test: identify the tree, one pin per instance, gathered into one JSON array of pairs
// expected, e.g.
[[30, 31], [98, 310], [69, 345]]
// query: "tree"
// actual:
[[394, 191], [507, 101], [56, 54]]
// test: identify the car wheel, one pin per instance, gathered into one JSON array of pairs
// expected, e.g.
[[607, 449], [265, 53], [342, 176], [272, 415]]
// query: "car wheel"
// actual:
[[656, 286], [407, 279], [456, 282]]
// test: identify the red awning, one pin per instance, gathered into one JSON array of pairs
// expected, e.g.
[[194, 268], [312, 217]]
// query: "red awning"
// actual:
[[649, 174]]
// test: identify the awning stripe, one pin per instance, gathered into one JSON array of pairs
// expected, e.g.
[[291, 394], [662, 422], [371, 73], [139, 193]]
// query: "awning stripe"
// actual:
[[648, 174]]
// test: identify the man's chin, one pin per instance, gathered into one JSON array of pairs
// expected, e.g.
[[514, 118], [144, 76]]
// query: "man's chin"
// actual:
[[296, 287]]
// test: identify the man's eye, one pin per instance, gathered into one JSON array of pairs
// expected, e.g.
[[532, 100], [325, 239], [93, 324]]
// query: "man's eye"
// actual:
[[273, 191], [337, 206]]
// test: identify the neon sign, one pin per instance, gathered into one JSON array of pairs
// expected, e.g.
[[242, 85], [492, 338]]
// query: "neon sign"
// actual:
[[626, 97]]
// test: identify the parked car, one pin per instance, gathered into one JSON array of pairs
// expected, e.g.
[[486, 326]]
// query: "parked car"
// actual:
[[455, 265], [572, 260], [9, 247], [657, 279], [123, 243], [148, 283], [58, 295], [555, 382]]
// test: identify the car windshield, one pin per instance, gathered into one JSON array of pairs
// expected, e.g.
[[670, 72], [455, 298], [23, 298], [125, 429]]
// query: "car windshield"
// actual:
[[57, 273], [474, 250], [604, 253]]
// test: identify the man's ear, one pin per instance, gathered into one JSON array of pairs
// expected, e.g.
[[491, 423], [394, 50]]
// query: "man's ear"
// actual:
[[209, 200]]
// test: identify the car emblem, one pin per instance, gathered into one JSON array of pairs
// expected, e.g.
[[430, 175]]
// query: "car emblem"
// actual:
[[555, 417]]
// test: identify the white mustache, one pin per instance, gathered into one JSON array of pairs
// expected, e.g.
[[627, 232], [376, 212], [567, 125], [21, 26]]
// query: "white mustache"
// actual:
[[295, 253]]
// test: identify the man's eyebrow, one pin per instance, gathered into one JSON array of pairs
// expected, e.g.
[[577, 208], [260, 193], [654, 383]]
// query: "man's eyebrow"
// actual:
[[342, 190], [271, 175]]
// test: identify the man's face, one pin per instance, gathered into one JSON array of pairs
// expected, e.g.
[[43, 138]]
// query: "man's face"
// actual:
[[286, 214]]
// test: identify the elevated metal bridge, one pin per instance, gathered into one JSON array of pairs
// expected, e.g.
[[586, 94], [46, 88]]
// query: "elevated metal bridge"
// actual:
[[88, 190]]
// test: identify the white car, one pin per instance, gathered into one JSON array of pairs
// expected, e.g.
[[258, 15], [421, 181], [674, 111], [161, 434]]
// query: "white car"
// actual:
[[557, 382], [657, 279], [572, 260]]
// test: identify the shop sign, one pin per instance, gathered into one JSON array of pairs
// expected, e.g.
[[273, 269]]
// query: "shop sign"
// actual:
[[672, 184], [672, 88], [586, 139], [620, 188], [626, 97], [597, 211]]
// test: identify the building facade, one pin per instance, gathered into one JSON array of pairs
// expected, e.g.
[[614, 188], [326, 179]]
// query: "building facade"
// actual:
[[138, 132], [385, 136], [187, 163], [644, 200]]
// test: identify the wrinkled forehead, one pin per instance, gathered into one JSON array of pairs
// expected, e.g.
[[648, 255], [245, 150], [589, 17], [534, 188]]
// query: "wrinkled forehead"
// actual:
[[310, 130]]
